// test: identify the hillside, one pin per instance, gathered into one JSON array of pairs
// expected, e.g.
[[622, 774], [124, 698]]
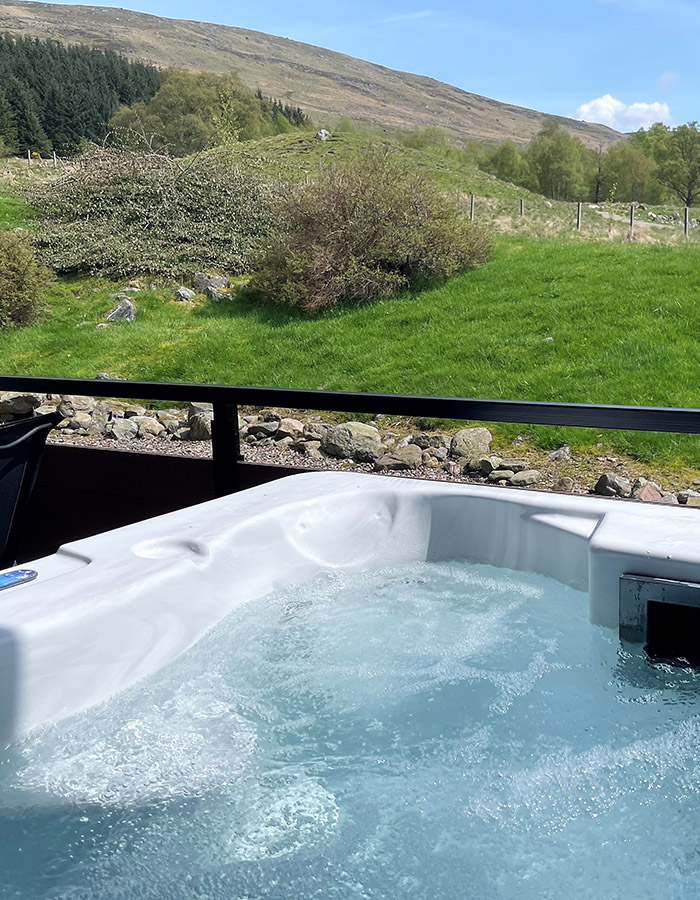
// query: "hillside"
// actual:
[[325, 83]]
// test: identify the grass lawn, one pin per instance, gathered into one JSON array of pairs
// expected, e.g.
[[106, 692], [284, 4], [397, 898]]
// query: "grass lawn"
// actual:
[[624, 318]]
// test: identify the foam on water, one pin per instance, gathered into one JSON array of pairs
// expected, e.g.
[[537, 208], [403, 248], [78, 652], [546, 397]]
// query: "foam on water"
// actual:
[[442, 730]]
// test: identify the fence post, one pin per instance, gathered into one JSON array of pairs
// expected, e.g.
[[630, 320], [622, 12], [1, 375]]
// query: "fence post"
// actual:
[[579, 215], [225, 448], [632, 218], [522, 207], [471, 208], [686, 222], [29, 157], [55, 165]]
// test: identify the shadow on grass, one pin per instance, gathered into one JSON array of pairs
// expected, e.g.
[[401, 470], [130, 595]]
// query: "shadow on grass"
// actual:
[[246, 304]]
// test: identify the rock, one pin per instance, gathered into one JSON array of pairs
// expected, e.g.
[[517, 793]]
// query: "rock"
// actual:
[[548, 204], [563, 485], [197, 409], [611, 485], [315, 431], [172, 426], [123, 429], [525, 478], [182, 434], [431, 439], [353, 440], [132, 410], [647, 493], [183, 294], [693, 501], [452, 468], [71, 404], [669, 500], [322, 135], [405, 441], [431, 462], [486, 464], [264, 429], [441, 453], [471, 442], [500, 475], [271, 415], [101, 325], [686, 496], [515, 465], [401, 458], [199, 426], [19, 403], [123, 311], [305, 447], [101, 415], [563, 454], [290, 428], [80, 421], [202, 281], [149, 427], [107, 376], [646, 490], [44, 409]]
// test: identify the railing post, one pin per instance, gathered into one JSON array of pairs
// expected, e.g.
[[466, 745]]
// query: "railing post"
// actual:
[[225, 448]]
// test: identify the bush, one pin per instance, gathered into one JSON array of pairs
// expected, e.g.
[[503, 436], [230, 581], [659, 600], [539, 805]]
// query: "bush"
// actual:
[[22, 279], [124, 212], [362, 230]]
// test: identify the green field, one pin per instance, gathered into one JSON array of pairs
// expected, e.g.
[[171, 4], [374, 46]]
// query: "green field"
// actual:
[[623, 318]]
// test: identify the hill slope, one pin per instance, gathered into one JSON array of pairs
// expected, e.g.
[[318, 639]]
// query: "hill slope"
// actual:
[[325, 83]]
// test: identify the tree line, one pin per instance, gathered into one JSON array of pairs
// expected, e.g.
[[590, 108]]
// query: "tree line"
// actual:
[[191, 112], [52, 97], [655, 165]]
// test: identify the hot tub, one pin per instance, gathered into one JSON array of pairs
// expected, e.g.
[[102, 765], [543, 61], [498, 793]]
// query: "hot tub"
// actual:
[[122, 609]]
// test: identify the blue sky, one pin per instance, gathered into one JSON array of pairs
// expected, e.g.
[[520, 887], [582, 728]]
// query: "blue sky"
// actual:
[[625, 63]]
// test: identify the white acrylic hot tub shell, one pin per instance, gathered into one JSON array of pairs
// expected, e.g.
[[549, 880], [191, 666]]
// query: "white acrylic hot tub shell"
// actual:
[[113, 608]]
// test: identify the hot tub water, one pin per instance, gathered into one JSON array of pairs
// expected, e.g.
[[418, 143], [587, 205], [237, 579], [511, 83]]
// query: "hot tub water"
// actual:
[[438, 730]]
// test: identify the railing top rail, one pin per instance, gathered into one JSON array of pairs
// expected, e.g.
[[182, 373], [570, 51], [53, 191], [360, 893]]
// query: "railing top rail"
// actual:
[[580, 415]]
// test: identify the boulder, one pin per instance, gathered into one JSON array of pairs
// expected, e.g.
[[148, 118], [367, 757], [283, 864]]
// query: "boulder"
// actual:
[[322, 135], [353, 440], [123, 311], [563, 485], [500, 475], [686, 496], [202, 281], [149, 427], [197, 409], [199, 426], [646, 490], [80, 421], [290, 428], [431, 439], [515, 465], [19, 403], [134, 410], [669, 500], [486, 464], [183, 294], [563, 454], [263, 429], [101, 415], [611, 485], [71, 404], [401, 458], [123, 429], [471, 442], [525, 478]]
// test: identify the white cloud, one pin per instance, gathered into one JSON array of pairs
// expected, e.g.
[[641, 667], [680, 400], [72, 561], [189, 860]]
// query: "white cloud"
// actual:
[[608, 110]]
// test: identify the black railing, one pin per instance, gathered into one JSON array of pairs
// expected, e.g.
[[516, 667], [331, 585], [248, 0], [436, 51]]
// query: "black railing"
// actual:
[[227, 398]]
